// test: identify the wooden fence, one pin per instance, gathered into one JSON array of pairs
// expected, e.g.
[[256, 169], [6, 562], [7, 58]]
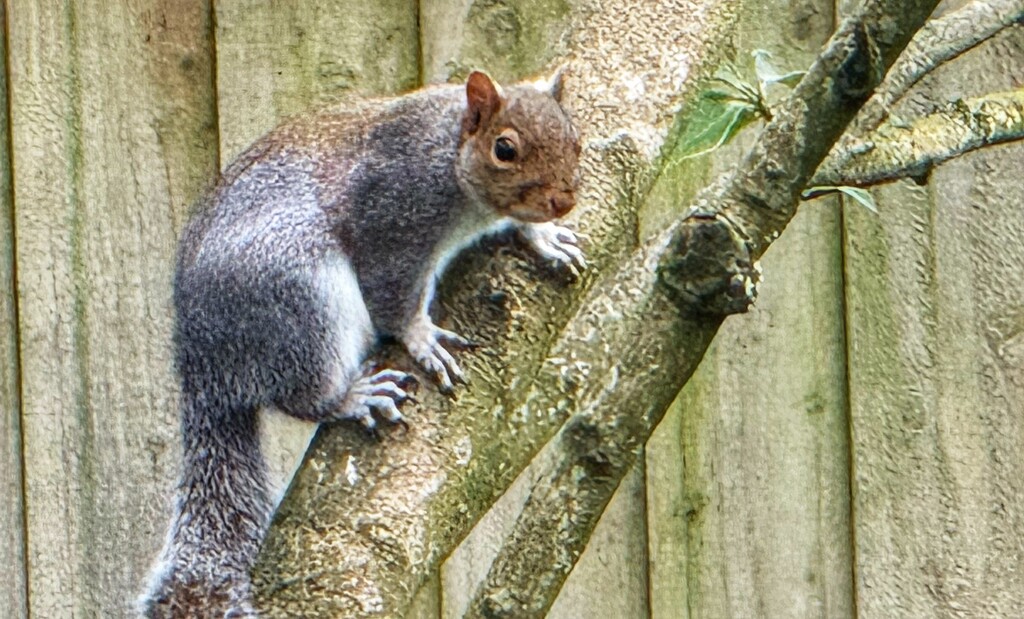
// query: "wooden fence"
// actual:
[[853, 447]]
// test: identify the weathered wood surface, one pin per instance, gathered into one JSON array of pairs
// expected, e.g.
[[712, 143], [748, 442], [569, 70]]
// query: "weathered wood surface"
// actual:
[[111, 125], [748, 480], [276, 59], [748, 483], [935, 315], [13, 602], [610, 579]]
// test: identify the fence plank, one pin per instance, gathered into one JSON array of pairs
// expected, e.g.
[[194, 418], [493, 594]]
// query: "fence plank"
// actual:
[[748, 489], [508, 40], [748, 483], [111, 120], [936, 324], [609, 580], [276, 59], [13, 602]]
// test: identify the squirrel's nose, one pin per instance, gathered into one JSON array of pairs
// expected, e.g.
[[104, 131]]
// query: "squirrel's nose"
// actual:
[[562, 203]]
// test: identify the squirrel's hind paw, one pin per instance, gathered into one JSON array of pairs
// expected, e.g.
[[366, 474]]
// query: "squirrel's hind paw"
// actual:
[[380, 393], [555, 243]]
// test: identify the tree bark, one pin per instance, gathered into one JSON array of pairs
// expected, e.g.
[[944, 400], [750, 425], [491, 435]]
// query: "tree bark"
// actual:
[[912, 150]]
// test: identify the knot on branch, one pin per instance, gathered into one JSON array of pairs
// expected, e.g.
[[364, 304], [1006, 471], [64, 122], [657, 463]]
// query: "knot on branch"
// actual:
[[600, 450], [857, 75], [708, 269]]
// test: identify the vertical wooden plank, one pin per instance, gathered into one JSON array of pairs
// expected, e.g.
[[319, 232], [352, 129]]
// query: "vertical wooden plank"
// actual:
[[427, 603], [111, 119], [936, 345], [13, 600], [748, 483], [276, 59], [466, 568], [508, 40], [754, 522]]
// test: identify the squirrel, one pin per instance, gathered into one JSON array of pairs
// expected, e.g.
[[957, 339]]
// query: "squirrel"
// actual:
[[324, 236]]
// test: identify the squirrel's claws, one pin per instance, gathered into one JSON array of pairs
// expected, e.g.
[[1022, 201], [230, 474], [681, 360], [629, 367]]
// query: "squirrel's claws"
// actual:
[[379, 393], [557, 244], [402, 379], [386, 388], [374, 433], [369, 424], [424, 343], [454, 339]]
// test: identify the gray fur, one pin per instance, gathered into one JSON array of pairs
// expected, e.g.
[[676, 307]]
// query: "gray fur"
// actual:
[[325, 234]]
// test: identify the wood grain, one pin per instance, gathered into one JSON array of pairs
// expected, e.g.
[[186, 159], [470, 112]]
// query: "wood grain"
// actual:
[[747, 482], [276, 59], [936, 316], [610, 578], [13, 600], [112, 121]]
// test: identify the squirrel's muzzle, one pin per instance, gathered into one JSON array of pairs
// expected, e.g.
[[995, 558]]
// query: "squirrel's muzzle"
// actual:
[[561, 203]]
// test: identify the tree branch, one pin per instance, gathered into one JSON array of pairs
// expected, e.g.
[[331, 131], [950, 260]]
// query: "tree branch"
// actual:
[[705, 262], [937, 42], [897, 151]]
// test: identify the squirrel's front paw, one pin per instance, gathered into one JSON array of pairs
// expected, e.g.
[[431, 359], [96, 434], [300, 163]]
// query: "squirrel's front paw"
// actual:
[[425, 341], [555, 243]]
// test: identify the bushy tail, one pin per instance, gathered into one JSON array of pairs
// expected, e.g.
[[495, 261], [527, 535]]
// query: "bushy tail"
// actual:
[[221, 513]]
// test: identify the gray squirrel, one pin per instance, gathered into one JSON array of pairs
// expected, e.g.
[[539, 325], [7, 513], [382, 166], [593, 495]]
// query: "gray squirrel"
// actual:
[[326, 234]]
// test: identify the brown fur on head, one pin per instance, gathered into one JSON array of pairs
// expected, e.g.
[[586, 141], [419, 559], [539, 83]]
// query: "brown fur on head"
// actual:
[[519, 151]]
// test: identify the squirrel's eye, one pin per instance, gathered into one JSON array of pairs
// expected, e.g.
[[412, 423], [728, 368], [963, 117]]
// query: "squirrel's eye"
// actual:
[[504, 149]]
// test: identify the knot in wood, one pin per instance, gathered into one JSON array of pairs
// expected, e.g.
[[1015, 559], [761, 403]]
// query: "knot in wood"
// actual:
[[855, 77], [709, 270]]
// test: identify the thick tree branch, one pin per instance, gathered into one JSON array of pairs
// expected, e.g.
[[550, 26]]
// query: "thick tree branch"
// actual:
[[901, 151], [706, 262], [937, 42]]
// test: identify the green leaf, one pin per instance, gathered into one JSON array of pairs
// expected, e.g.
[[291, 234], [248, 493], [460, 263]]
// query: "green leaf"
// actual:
[[767, 74], [711, 122], [743, 89], [862, 196]]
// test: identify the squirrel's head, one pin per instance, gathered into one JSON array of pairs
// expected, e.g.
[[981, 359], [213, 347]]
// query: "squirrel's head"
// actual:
[[519, 152]]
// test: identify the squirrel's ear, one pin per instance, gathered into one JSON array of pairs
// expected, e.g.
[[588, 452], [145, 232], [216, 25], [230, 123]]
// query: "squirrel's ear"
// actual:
[[553, 83], [483, 102]]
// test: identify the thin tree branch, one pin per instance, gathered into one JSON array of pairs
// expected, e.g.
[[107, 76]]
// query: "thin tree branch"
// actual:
[[937, 42], [897, 151], [705, 263]]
